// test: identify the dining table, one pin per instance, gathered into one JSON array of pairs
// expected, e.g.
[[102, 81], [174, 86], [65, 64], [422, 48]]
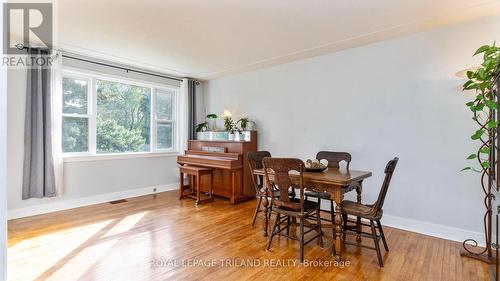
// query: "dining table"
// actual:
[[336, 182]]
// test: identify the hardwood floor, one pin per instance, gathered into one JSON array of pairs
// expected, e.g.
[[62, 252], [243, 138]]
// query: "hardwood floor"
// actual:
[[149, 238]]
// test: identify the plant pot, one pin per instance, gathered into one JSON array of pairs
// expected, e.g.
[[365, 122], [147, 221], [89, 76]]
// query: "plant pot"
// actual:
[[230, 137], [211, 122], [246, 135], [239, 137]]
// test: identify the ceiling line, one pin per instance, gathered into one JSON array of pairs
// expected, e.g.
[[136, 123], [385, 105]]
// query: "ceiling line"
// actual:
[[216, 73]]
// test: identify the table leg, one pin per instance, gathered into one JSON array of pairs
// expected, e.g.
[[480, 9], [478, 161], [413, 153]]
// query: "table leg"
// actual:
[[266, 209], [359, 189], [338, 225]]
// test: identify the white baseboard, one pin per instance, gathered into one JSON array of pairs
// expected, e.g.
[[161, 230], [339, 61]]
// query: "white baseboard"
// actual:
[[436, 230], [58, 204], [431, 229]]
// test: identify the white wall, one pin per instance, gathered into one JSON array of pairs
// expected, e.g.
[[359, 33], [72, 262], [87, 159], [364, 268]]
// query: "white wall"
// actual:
[[393, 98], [84, 182]]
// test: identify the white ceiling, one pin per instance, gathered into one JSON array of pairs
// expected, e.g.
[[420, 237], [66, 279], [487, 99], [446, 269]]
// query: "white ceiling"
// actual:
[[209, 39]]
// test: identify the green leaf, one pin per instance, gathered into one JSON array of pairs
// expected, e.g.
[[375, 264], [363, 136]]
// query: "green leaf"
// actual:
[[485, 164], [488, 63], [477, 107], [477, 135], [491, 104], [481, 49], [485, 150], [469, 104], [492, 124], [466, 168], [481, 73], [470, 74], [468, 83], [472, 156], [470, 86]]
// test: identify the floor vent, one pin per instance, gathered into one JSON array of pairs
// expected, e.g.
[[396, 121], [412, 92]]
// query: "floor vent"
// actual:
[[118, 201]]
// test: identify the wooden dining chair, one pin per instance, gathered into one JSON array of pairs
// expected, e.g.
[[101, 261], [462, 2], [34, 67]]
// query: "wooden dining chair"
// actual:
[[255, 162], [371, 212], [334, 159], [307, 213]]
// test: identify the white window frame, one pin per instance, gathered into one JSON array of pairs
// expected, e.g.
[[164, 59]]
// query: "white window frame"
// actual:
[[171, 121], [92, 154], [79, 115]]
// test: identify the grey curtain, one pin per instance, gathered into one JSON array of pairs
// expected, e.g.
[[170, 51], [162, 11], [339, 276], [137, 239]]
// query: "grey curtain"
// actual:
[[192, 108], [38, 170]]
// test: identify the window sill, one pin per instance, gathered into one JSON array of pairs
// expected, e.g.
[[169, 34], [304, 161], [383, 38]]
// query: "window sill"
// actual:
[[104, 157]]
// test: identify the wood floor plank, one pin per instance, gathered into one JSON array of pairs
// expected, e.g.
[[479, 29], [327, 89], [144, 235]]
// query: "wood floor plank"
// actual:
[[158, 237]]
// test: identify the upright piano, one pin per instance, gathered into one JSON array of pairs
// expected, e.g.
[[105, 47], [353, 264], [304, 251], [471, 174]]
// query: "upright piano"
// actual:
[[231, 177]]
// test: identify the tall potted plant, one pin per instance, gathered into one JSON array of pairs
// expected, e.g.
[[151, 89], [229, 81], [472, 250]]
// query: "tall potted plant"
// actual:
[[483, 108]]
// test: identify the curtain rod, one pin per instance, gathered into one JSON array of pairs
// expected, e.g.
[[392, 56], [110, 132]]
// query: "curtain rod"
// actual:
[[114, 66], [122, 68]]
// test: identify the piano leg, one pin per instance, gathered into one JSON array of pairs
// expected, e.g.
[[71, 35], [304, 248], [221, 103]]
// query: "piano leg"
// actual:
[[198, 196], [233, 183], [181, 185], [236, 186]]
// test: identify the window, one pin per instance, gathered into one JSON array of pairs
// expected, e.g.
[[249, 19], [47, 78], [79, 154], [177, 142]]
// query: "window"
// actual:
[[164, 119], [123, 117], [75, 123], [103, 115]]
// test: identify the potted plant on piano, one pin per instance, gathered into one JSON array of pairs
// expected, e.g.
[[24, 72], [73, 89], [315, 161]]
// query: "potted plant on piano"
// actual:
[[211, 121], [244, 133], [230, 127]]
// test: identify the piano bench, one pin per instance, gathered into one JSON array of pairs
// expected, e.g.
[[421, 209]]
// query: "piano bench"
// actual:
[[195, 174]]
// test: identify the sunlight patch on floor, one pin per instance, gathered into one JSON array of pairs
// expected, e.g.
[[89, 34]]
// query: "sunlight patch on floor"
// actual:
[[68, 254], [30, 258], [78, 265], [125, 225]]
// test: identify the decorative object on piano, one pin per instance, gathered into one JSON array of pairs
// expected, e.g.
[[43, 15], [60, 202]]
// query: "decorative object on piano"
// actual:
[[243, 135], [314, 166], [229, 127], [233, 131], [214, 149], [202, 127], [251, 126], [212, 136], [226, 113], [211, 121], [239, 135], [243, 123], [484, 108]]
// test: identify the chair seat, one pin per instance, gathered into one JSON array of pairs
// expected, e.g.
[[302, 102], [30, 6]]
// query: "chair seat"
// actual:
[[294, 206], [360, 210], [276, 193], [322, 195]]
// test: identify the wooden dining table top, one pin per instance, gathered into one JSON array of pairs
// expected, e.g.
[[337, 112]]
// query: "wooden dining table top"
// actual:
[[333, 176]]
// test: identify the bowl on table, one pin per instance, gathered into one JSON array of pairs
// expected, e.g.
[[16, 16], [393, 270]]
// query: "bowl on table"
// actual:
[[314, 166]]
